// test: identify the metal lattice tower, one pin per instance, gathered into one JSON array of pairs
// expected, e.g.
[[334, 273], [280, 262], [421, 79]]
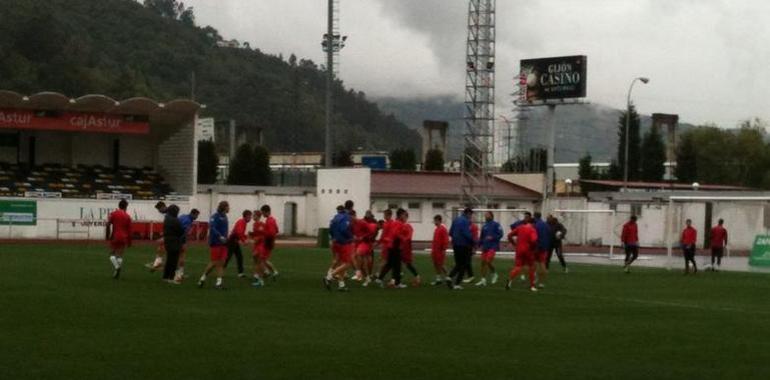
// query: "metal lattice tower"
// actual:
[[332, 43], [479, 103]]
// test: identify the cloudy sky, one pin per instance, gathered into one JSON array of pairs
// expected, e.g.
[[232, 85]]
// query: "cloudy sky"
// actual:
[[708, 60]]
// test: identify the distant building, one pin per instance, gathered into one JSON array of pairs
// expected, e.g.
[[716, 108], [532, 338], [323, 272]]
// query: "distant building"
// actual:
[[204, 130]]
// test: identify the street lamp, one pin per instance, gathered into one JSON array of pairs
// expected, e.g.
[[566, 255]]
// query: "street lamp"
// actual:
[[628, 121], [568, 182]]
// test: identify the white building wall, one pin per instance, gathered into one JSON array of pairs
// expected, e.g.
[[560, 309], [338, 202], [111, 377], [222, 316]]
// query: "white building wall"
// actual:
[[335, 186], [176, 159]]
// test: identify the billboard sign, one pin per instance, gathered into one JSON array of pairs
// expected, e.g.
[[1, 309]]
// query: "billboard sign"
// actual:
[[556, 78], [760, 252], [18, 213], [71, 122]]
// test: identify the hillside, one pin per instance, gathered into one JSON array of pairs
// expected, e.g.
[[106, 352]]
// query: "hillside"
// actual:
[[579, 129], [122, 49]]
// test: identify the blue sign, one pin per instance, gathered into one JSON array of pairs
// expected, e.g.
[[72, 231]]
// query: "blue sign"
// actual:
[[375, 162]]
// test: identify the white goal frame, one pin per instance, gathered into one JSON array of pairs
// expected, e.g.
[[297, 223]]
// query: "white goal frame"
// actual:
[[671, 228], [612, 213]]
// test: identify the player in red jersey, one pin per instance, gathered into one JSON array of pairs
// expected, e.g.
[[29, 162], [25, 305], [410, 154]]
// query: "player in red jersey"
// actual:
[[407, 255], [630, 239], [398, 236], [237, 237], [257, 236], [688, 241], [388, 226], [118, 232], [524, 237], [364, 235], [438, 247], [718, 244], [267, 245]]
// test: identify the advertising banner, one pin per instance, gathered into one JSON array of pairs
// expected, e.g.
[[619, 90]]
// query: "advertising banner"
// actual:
[[760, 253], [71, 121], [555, 78], [18, 213]]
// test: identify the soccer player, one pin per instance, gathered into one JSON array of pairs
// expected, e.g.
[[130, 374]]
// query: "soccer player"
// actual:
[[269, 235], [160, 250], [118, 232], [257, 235], [218, 227], [407, 255], [558, 232], [718, 244], [187, 223], [543, 246], [469, 270], [688, 241], [438, 248], [524, 237], [365, 234], [462, 245], [236, 238], [398, 244], [630, 239], [491, 234], [173, 240], [342, 247], [388, 227]]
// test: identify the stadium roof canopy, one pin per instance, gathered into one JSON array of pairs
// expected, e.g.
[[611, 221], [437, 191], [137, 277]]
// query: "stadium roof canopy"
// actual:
[[170, 113]]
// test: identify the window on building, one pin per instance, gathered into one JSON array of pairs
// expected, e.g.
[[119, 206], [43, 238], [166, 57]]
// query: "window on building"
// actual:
[[636, 209], [415, 211]]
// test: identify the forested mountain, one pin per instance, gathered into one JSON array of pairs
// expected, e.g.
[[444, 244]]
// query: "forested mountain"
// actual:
[[122, 48]]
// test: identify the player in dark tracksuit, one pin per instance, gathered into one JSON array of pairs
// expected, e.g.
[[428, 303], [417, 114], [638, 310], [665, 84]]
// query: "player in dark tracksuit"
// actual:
[[558, 232]]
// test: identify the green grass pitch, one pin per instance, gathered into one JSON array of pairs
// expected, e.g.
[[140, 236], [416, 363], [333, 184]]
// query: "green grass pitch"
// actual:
[[63, 317]]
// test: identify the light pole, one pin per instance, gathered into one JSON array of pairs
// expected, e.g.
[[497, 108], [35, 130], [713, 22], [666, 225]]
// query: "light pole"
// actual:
[[628, 122]]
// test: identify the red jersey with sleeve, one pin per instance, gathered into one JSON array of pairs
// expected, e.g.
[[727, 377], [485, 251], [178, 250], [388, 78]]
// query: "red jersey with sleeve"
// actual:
[[630, 234], [360, 230], [371, 228], [718, 237], [475, 232], [440, 241], [689, 236], [271, 228], [258, 230], [405, 234], [388, 233], [526, 238], [239, 231], [121, 225]]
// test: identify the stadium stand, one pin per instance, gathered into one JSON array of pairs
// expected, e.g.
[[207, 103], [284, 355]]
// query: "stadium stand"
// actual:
[[81, 181]]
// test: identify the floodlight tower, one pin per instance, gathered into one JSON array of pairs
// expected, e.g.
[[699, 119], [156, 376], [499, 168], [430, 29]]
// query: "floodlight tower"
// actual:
[[476, 179], [332, 43]]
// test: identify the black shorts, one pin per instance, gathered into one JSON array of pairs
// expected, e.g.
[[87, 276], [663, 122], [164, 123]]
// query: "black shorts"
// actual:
[[689, 252], [717, 251]]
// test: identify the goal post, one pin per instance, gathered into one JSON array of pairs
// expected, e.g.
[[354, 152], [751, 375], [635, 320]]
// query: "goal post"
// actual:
[[740, 232], [583, 226]]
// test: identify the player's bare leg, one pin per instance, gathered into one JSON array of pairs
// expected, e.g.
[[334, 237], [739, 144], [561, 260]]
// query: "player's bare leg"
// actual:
[[542, 274], [116, 258]]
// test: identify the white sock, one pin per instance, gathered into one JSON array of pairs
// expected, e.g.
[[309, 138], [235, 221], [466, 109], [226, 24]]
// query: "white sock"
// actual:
[[219, 281], [119, 260], [114, 261], [158, 261]]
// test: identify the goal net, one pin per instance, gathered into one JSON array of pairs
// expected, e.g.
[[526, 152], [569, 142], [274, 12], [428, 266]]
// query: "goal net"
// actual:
[[596, 230], [745, 218]]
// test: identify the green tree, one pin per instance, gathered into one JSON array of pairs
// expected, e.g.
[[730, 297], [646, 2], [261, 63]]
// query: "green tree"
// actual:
[[686, 169], [263, 174], [586, 171], [653, 157], [434, 160], [243, 167], [403, 159], [633, 144], [207, 162]]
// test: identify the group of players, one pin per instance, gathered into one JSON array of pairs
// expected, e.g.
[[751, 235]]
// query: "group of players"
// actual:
[[354, 239], [223, 243]]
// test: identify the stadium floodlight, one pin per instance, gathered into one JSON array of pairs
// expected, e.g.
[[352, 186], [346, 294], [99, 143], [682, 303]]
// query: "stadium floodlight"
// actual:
[[644, 80]]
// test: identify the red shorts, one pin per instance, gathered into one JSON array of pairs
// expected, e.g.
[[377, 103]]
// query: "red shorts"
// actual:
[[343, 252], [364, 249], [261, 252], [524, 258], [118, 244], [407, 257], [488, 255], [438, 257], [541, 256], [218, 253]]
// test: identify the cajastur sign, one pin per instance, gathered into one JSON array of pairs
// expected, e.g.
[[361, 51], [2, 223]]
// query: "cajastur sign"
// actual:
[[71, 121]]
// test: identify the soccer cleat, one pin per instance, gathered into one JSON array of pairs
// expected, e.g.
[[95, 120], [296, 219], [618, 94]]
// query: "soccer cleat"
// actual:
[[400, 286], [241, 275], [482, 282], [327, 284], [201, 283], [508, 285], [274, 276], [379, 282], [533, 289], [257, 284], [494, 278], [116, 273], [173, 282], [457, 287], [342, 288], [220, 287], [416, 281], [468, 280], [437, 282], [541, 285], [366, 282]]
